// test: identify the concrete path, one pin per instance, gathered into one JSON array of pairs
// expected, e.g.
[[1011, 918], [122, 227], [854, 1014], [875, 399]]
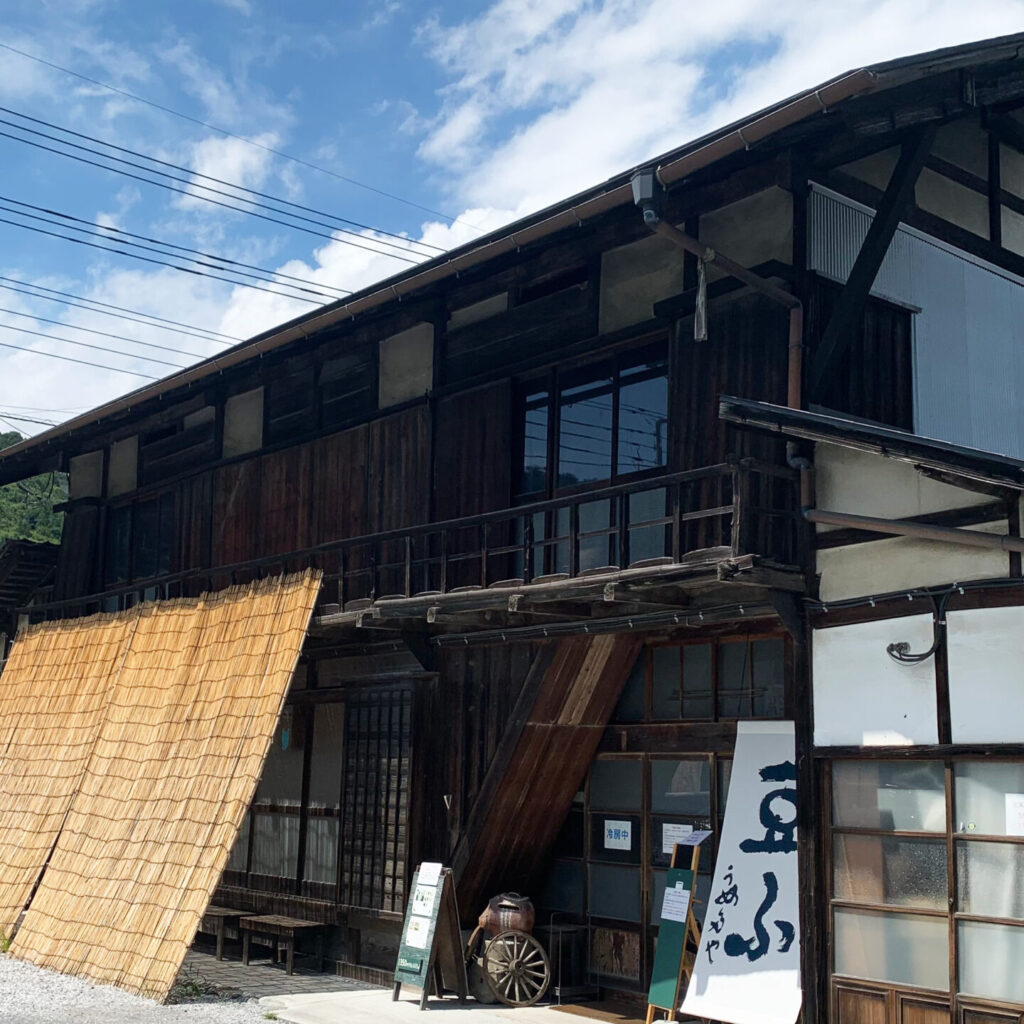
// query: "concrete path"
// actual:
[[376, 1007]]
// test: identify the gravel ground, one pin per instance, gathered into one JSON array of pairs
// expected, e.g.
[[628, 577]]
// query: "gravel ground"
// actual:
[[31, 995]]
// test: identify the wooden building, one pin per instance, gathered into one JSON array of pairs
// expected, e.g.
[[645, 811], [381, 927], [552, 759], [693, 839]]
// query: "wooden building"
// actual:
[[567, 543]]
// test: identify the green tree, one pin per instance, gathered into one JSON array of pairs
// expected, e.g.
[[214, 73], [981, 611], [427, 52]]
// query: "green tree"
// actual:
[[26, 507]]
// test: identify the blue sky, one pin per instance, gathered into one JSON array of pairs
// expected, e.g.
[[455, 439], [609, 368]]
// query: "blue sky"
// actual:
[[480, 112]]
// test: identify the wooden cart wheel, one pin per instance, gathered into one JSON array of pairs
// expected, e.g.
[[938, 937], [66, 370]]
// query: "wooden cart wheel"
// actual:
[[516, 968]]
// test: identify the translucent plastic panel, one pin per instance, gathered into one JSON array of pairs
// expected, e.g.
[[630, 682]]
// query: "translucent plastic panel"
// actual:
[[902, 795], [322, 850], [632, 701], [275, 844], [902, 948], [616, 785], [665, 692], [892, 870], [990, 879], [681, 787], [697, 681], [989, 798], [990, 960], [769, 678], [614, 892]]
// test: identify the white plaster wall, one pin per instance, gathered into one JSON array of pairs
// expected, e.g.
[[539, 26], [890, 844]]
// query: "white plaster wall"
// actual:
[[85, 479], [1013, 230], [875, 169], [123, 467], [1011, 170], [965, 144], [406, 365], [953, 202], [902, 563], [862, 697], [243, 423], [752, 230], [986, 675], [634, 277], [872, 485]]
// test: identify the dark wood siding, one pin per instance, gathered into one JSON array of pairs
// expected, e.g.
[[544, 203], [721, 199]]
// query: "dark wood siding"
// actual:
[[286, 487], [235, 521], [76, 560]]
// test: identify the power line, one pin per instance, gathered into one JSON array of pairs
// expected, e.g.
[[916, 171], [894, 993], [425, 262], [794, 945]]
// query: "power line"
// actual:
[[222, 262], [162, 263], [231, 135], [98, 348], [333, 235], [122, 312], [104, 334], [71, 359], [209, 177], [25, 419]]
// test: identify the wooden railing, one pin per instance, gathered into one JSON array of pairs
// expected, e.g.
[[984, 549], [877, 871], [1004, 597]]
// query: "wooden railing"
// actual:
[[744, 506]]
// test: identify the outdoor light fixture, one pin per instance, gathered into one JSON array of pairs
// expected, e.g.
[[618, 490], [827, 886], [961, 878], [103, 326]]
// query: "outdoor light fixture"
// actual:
[[644, 185]]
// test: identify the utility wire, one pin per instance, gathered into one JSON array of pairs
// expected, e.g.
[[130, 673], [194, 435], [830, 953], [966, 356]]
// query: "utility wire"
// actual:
[[26, 419], [98, 348], [194, 195], [208, 177], [121, 312], [162, 263], [333, 228], [71, 359], [230, 135], [105, 334], [220, 262]]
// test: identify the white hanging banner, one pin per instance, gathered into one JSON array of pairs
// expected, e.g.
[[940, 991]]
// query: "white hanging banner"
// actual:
[[748, 966]]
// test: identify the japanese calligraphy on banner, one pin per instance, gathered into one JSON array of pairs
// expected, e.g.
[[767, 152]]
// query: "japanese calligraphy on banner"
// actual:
[[748, 966]]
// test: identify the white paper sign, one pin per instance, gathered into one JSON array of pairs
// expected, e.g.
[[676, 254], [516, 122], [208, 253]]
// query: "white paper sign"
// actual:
[[694, 838], [423, 900], [618, 835], [747, 969], [675, 904], [418, 934], [430, 874], [673, 832], [1015, 814]]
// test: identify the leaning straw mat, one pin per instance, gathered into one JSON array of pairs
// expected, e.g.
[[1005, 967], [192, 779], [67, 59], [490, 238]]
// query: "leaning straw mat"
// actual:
[[187, 724]]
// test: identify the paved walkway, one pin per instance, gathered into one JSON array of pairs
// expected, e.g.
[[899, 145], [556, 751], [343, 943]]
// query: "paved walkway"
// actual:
[[260, 978], [374, 1006]]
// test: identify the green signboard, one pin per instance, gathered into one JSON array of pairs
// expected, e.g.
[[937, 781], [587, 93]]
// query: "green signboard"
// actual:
[[431, 947], [672, 929]]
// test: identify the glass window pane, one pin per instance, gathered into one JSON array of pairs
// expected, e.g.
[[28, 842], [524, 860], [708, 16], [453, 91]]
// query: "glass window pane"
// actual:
[[734, 680], [769, 677], [535, 444], [616, 785], [275, 844], [281, 782], [724, 778], [991, 879], [990, 960], [643, 419], [901, 795], [901, 948], [697, 695], [595, 551], [681, 787], [322, 850], [614, 892], [563, 888], [585, 433], [648, 541], [665, 689], [887, 869], [326, 763], [616, 837], [989, 798], [633, 700]]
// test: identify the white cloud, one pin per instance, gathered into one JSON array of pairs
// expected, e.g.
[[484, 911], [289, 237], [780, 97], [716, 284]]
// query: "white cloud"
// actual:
[[230, 160]]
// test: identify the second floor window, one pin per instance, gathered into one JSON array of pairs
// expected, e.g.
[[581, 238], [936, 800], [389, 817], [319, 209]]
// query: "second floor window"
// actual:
[[593, 424]]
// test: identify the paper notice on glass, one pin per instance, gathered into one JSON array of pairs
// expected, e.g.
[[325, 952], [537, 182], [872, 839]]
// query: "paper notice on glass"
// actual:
[[675, 904], [1015, 814], [618, 835], [673, 832], [694, 838], [423, 900], [429, 874], [418, 934]]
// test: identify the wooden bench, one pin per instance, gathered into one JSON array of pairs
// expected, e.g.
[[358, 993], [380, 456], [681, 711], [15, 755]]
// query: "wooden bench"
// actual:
[[217, 919], [275, 927]]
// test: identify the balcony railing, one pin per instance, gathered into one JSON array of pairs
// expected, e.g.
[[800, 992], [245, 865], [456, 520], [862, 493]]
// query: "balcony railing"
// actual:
[[733, 508]]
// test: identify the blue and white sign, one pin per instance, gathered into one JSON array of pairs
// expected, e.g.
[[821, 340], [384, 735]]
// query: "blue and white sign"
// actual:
[[747, 969], [618, 835]]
